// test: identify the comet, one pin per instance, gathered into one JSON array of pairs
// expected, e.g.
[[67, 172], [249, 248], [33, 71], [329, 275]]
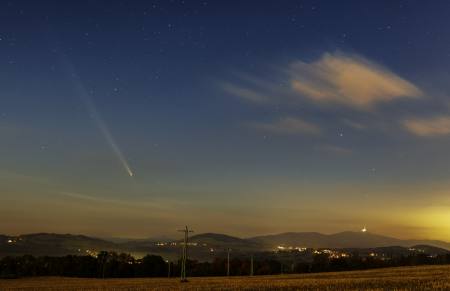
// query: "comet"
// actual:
[[105, 131], [82, 92]]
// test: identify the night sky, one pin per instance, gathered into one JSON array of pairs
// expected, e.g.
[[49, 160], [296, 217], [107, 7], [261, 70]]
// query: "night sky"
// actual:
[[137, 118]]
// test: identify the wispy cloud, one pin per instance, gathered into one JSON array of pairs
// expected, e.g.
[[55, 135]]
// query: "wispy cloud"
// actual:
[[353, 81], [353, 124], [247, 94], [288, 125], [429, 127], [338, 83], [20, 178], [112, 201]]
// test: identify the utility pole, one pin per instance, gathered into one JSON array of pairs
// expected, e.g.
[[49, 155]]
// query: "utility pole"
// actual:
[[251, 265], [183, 260], [169, 268], [228, 270]]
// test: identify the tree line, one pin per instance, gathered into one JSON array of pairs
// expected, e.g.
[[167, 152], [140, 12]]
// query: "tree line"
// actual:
[[113, 265]]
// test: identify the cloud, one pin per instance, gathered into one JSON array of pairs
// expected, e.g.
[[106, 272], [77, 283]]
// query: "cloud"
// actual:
[[288, 125], [355, 82], [247, 94], [21, 179], [430, 127], [353, 124], [113, 201]]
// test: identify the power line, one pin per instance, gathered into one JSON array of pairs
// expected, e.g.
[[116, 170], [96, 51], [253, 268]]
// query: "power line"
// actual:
[[183, 260]]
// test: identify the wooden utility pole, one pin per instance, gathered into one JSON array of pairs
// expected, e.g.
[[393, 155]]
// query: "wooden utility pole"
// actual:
[[251, 264], [228, 269], [169, 269]]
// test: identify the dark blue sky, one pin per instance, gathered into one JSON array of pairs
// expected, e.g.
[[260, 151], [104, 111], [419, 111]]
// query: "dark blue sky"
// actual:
[[248, 117]]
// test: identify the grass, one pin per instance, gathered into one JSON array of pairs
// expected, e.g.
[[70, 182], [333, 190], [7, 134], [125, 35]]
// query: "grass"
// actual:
[[402, 278]]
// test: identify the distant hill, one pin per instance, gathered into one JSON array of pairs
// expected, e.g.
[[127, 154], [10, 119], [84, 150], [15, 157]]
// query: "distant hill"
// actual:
[[207, 246], [51, 244], [160, 239], [395, 250], [346, 239], [221, 241]]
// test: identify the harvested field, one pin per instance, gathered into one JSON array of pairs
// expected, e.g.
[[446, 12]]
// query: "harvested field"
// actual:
[[402, 278]]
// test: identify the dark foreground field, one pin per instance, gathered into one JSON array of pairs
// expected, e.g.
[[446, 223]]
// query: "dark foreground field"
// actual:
[[403, 278]]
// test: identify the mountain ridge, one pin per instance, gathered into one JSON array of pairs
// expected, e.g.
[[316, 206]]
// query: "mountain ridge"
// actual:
[[160, 239], [207, 246], [361, 239]]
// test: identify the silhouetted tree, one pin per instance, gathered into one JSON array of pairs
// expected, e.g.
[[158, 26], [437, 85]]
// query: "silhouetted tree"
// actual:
[[321, 263], [245, 267], [152, 266], [301, 267], [354, 262], [338, 264], [66, 266], [218, 267], [103, 258]]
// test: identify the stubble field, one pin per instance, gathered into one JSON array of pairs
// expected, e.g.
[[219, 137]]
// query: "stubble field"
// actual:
[[403, 278]]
